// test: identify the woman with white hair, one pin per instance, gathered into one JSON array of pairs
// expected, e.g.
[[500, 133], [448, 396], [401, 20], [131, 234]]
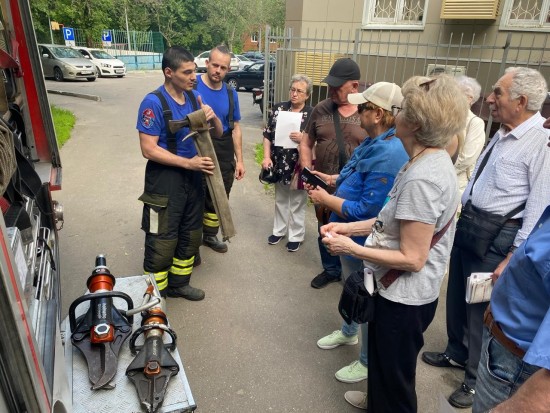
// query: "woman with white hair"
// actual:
[[473, 134], [413, 234]]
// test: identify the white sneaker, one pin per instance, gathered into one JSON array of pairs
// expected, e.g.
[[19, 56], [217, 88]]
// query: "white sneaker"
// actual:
[[337, 338], [357, 399], [354, 373]]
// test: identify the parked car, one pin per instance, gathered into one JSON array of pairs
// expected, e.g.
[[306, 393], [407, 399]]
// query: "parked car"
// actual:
[[200, 62], [105, 64], [254, 56], [243, 61], [258, 97], [63, 62], [249, 78]]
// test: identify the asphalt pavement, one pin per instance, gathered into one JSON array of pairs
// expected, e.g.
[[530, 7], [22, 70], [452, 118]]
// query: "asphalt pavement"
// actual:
[[250, 345]]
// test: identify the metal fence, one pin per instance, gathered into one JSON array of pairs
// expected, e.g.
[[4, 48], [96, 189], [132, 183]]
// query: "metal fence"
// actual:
[[394, 56], [125, 42]]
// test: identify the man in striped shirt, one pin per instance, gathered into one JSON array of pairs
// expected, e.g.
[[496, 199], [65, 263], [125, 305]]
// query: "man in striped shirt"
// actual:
[[514, 173]]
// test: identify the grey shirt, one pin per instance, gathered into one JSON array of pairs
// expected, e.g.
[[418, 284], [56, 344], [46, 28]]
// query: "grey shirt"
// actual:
[[426, 192]]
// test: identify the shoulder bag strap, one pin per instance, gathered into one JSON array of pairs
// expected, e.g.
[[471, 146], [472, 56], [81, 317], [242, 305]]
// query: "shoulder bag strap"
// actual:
[[167, 115], [482, 165], [392, 275], [342, 157], [231, 105]]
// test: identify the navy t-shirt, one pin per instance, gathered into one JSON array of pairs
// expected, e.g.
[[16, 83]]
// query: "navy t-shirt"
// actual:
[[219, 102], [151, 121]]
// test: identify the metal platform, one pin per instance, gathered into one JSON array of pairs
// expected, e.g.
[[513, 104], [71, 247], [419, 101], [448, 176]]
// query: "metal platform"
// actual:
[[123, 398]]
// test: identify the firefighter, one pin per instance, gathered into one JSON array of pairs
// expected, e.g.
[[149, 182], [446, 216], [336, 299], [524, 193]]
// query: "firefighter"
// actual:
[[225, 102], [173, 196]]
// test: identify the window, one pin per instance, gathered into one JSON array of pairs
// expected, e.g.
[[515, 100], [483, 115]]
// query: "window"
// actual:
[[391, 14], [526, 14], [254, 38]]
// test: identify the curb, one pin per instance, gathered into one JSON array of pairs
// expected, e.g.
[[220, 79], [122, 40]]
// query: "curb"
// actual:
[[76, 95]]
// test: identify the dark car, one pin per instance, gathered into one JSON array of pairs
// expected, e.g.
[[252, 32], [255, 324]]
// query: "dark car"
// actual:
[[255, 56], [251, 77]]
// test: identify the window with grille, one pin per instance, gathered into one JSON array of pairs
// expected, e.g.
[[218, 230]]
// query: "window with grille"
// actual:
[[526, 14], [391, 14]]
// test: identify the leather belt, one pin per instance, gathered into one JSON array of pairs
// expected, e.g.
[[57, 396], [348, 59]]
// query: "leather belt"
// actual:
[[497, 333], [515, 221]]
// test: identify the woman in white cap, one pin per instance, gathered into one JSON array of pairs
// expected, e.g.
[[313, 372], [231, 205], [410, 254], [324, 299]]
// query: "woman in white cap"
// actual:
[[361, 190], [412, 234]]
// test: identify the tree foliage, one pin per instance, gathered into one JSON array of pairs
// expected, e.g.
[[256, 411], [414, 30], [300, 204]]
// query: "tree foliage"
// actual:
[[195, 24]]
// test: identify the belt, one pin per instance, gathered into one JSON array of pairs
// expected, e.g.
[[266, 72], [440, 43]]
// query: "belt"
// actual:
[[515, 221], [497, 333]]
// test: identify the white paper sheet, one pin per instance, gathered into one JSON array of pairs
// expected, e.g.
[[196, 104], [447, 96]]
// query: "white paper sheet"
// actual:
[[287, 122]]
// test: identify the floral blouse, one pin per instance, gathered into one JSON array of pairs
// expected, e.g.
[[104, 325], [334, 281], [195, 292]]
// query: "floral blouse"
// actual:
[[284, 159]]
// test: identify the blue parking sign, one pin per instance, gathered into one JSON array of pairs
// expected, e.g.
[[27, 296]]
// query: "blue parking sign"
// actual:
[[106, 36], [68, 33]]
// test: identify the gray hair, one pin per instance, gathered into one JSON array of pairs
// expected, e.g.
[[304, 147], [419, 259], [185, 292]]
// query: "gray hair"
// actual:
[[530, 83], [302, 78], [470, 87], [436, 106]]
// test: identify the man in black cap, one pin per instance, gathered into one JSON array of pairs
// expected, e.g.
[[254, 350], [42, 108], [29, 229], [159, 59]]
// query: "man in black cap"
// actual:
[[334, 130]]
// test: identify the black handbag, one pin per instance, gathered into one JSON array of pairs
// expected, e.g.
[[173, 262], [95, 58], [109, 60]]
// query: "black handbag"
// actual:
[[476, 229], [268, 176], [356, 303]]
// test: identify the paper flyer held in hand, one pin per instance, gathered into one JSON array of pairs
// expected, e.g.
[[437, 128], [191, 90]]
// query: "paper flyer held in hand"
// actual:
[[479, 287], [287, 122]]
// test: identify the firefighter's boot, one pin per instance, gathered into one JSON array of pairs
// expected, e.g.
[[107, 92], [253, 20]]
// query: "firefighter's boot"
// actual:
[[187, 292]]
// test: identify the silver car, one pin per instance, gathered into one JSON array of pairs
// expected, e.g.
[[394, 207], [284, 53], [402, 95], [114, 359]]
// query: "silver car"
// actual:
[[63, 62]]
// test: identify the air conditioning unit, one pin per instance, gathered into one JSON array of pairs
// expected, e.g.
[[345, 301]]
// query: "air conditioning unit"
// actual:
[[435, 69]]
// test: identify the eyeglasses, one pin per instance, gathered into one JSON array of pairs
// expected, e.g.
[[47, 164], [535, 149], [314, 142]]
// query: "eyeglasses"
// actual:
[[395, 110], [297, 91], [366, 106]]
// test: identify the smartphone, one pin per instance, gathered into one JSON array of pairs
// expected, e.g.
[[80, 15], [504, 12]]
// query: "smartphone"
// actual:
[[309, 178]]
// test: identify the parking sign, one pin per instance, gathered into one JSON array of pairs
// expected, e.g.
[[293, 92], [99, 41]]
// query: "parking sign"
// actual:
[[106, 38], [68, 35]]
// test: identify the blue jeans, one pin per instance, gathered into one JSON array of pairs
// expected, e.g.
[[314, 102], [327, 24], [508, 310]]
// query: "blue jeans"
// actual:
[[331, 263], [499, 374], [350, 264]]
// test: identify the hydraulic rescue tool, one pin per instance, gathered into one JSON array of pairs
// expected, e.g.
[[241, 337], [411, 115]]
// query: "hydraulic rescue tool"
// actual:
[[196, 121], [100, 332], [153, 366]]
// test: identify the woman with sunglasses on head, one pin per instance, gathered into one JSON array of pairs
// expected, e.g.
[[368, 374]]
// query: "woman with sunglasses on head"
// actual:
[[361, 189], [413, 234], [290, 203]]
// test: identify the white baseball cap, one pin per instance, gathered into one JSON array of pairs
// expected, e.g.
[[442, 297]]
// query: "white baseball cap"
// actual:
[[383, 94]]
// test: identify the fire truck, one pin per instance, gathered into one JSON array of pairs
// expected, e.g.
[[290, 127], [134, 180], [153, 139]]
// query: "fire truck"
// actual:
[[111, 353]]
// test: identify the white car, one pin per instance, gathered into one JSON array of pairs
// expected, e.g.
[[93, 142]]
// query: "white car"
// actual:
[[105, 64], [243, 61], [200, 62]]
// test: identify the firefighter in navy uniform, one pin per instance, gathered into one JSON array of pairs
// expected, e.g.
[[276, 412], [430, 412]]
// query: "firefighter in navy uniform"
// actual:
[[225, 103], [173, 196]]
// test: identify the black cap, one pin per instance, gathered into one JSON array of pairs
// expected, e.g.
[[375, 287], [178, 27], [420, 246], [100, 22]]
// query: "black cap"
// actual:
[[341, 71]]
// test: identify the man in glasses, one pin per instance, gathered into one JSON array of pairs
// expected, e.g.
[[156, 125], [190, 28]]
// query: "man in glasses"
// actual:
[[510, 175], [333, 132]]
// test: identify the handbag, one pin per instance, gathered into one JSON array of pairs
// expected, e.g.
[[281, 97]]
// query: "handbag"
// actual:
[[268, 176], [356, 303], [476, 229]]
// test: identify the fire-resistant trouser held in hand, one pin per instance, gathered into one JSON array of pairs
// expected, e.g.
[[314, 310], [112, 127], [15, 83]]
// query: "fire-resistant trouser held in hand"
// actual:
[[224, 149], [172, 220]]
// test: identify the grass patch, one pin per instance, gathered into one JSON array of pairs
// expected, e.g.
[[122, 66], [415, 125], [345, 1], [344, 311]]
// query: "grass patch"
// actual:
[[259, 153], [63, 121]]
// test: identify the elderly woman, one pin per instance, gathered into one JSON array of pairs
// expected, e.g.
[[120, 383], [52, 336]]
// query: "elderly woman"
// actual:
[[361, 189], [474, 134], [290, 203], [419, 211]]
